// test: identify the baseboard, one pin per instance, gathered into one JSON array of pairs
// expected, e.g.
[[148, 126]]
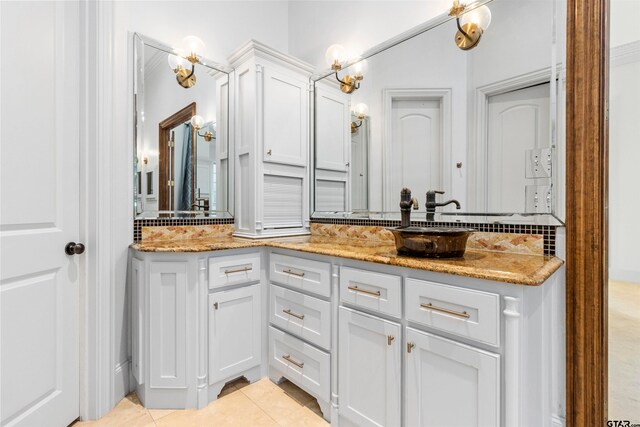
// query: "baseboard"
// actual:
[[624, 275], [121, 381]]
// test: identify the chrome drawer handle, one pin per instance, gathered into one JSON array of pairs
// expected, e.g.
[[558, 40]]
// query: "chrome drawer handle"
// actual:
[[289, 359], [291, 313], [293, 273], [239, 270], [364, 291], [446, 310]]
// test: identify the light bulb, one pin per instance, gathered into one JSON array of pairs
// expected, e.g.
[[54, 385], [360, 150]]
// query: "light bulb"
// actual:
[[359, 68], [361, 110], [176, 61], [481, 16], [197, 122], [193, 46], [335, 55]]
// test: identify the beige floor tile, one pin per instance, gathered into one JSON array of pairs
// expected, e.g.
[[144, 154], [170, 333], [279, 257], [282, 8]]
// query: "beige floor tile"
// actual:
[[277, 404], [156, 414], [624, 351], [314, 407], [260, 388], [295, 392], [304, 417], [235, 409], [128, 412]]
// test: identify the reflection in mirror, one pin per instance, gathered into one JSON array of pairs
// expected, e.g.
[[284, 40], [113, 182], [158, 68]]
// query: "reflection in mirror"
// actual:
[[483, 125], [182, 156]]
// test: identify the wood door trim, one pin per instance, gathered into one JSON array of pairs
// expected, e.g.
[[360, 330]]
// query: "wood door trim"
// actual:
[[164, 129], [587, 199]]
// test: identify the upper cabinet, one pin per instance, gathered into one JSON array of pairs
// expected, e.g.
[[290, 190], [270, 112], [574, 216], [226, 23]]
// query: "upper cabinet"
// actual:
[[272, 137]]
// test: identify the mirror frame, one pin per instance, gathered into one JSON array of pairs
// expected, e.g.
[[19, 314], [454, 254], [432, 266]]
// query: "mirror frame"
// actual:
[[140, 41], [555, 218]]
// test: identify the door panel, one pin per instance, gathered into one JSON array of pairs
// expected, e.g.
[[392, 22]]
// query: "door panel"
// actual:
[[440, 374], [370, 369], [39, 362], [518, 121], [416, 148]]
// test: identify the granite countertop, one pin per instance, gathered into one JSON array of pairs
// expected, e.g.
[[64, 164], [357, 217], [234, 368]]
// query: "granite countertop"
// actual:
[[520, 269]]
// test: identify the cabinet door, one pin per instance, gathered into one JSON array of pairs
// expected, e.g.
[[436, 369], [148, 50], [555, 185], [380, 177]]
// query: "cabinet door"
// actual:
[[369, 369], [450, 384], [168, 324], [285, 117], [234, 332]]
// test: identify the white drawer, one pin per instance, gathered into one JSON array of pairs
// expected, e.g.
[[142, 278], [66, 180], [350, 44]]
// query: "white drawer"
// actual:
[[300, 314], [300, 273], [463, 312], [375, 291], [301, 363], [234, 270]]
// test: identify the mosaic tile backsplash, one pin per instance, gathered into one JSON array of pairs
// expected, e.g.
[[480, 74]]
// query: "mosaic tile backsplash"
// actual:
[[528, 239], [139, 224]]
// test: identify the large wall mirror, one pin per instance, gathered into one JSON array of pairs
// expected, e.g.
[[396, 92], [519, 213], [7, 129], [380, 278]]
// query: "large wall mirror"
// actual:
[[485, 125], [182, 162]]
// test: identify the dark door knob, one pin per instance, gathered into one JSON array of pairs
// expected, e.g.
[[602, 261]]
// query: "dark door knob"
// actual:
[[74, 248]]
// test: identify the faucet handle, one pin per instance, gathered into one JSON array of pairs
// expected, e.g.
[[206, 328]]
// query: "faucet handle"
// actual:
[[415, 204]]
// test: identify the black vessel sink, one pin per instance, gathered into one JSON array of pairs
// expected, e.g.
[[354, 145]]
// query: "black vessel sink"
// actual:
[[431, 242]]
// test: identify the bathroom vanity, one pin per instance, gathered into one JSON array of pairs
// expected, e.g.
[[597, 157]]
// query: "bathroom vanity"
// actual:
[[376, 338]]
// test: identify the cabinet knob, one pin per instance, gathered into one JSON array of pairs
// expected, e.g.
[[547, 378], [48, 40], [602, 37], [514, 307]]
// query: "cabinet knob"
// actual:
[[73, 248], [215, 305], [269, 152], [390, 339], [410, 347]]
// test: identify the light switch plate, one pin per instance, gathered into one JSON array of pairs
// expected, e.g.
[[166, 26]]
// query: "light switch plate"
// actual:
[[538, 163], [538, 198]]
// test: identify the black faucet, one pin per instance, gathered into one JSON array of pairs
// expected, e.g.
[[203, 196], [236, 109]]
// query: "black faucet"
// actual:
[[431, 204], [406, 203]]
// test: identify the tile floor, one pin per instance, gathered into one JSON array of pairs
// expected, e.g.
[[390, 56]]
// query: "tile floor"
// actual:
[[624, 351], [262, 403]]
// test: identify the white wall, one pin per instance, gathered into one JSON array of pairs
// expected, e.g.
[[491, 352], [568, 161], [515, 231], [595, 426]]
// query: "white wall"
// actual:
[[223, 26], [624, 142], [357, 25]]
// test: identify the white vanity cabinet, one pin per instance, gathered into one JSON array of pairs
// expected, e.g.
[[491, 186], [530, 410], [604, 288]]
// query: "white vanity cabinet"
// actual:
[[271, 142], [376, 345], [189, 340]]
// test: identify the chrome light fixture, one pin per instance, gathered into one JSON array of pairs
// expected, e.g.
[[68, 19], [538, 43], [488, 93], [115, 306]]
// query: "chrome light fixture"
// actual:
[[197, 122], [471, 24], [184, 66], [360, 111], [348, 83]]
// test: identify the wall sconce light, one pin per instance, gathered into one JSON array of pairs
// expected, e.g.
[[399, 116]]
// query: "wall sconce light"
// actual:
[[360, 111], [180, 65], [471, 25], [335, 57], [197, 122]]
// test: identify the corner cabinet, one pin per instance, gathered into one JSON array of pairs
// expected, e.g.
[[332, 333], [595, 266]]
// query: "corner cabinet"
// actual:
[[272, 140], [189, 340]]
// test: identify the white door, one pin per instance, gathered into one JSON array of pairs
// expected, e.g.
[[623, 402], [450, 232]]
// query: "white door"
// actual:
[[360, 166], [234, 332], [415, 150], [450, 384], [39, 362], [369, 362], [518, 121]]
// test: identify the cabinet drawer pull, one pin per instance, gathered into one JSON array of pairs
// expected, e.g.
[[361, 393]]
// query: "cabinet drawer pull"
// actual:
[[364, 291], [289, 359], [293, 273], [291, 313], [390, 339], [446, 310], [410, 347], [238, 270]]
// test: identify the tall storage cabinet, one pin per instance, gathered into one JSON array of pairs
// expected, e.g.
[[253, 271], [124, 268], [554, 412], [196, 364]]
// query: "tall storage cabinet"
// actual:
[[271, 137]]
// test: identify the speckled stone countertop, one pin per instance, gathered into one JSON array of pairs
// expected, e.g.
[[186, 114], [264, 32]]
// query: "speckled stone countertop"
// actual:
[[519, 269]]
